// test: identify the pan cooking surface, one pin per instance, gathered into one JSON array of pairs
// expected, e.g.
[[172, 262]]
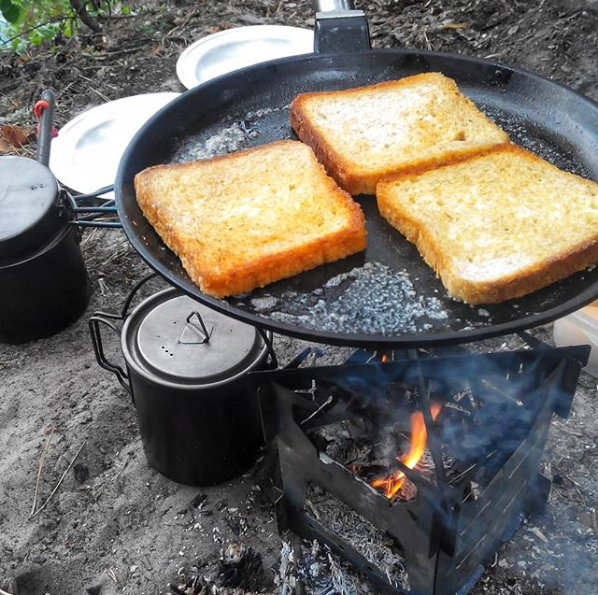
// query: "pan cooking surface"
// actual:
[[386, 294]]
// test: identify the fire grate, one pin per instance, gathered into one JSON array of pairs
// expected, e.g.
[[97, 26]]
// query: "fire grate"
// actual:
[[484, 449]]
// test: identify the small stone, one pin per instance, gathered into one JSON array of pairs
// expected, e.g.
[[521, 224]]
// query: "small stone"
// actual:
[[81, 473], [133, 569]]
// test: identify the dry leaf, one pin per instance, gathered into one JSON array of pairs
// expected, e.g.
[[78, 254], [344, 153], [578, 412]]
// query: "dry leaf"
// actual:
[[14, 137], [5, 147]]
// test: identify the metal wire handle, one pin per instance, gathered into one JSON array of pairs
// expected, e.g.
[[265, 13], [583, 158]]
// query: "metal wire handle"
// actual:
[[125, 311], [269, 346], [93, 213], [98, 348]]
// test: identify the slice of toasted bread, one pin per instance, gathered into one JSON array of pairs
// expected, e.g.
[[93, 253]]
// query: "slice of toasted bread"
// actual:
[[362, 135], [247, 219], [498, 225]]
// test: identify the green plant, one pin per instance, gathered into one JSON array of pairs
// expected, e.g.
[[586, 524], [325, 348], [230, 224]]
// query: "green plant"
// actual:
[[28, 22]]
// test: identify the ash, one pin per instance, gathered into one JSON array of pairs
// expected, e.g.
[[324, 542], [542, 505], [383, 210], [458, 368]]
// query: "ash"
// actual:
[[378, 548], [321, 573], [365, 302]]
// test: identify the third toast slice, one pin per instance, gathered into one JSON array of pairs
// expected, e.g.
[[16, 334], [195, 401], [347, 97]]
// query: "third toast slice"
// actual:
[[496, 226]]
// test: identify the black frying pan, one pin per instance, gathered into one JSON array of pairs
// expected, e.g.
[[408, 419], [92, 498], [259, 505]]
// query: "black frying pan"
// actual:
[[386, 296]]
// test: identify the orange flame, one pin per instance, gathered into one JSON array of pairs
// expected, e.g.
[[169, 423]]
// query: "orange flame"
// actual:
[[384, 358], [391, 485]]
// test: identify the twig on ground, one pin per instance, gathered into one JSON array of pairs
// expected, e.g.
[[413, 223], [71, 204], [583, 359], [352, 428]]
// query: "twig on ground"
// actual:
[[40, 466], [115, 17], [565, 428], [103, 287], [98, 93], [112, 574], [182, 25], [59, 481]]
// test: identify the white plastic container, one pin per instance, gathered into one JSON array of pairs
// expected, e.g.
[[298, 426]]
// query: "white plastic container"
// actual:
[[580, 328]]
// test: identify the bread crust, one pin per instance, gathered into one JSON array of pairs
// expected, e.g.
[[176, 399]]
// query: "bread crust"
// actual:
[[509, 286], [345, 173], [266, 268]]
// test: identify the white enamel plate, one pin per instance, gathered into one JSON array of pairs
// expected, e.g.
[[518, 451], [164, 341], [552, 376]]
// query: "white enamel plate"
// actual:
[[86, 153], [232, 49]]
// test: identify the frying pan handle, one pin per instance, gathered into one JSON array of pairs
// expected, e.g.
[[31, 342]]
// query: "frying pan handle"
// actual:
[[340, 29], [98, 348], [334, 5]]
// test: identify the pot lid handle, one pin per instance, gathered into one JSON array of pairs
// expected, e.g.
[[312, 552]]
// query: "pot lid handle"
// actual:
[[192, 335]]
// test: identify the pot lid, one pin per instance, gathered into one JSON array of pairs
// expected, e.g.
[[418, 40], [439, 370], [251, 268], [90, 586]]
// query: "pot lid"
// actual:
[[174, 339], [29, 196]]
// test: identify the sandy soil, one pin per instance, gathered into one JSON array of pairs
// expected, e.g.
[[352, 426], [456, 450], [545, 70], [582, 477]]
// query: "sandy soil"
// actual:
[[116, 526]]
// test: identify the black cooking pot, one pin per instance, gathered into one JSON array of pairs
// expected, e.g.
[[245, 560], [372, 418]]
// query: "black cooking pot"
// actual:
[[186, 370], [43, 281]]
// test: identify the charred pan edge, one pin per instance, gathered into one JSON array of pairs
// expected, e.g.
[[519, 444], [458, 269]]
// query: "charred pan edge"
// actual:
[[267, 269], [510, 286], [344, 172]]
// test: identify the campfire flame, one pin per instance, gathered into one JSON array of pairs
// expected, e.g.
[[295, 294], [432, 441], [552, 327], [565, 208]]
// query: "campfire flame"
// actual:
[[392, 484]]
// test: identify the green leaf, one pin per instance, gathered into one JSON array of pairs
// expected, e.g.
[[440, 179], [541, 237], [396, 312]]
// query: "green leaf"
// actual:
[[125, 9], [10, 11]]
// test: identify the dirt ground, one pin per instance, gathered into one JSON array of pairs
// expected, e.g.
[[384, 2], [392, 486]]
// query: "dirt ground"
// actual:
[[116, 526]]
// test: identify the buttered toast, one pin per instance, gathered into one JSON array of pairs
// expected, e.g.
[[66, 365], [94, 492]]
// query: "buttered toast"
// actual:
[[247, 219], [362, 135], [496, 226]]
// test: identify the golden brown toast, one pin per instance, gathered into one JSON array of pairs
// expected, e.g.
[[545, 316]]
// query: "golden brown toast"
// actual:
[[362, 135], [497, 226], [247, 219]]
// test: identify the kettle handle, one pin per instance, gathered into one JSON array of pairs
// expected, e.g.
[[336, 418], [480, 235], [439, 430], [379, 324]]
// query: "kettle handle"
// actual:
[[98, 348]]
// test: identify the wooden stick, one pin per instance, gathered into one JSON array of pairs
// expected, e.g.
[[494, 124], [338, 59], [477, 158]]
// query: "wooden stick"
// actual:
[[39, 469], [59, 482]]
